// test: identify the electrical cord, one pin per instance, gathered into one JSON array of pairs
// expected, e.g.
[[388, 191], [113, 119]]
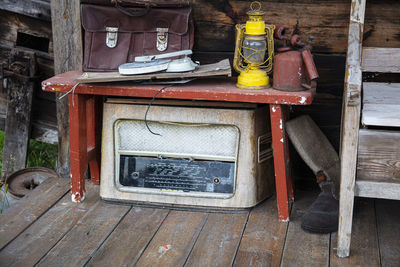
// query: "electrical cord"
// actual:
[[149, 105]]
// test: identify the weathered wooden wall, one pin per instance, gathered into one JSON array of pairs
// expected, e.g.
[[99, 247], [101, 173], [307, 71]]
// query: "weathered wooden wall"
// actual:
[[325, 21], [30, 30]]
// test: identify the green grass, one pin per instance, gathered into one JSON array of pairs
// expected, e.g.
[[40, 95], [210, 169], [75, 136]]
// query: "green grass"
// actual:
[[39, 154]]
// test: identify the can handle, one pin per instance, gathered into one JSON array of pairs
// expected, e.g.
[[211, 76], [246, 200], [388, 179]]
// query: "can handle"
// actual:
[[309, 64]]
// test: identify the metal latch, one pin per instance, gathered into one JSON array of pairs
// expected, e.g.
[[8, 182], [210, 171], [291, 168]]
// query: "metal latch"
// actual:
[[162, 39], [353, 97], [353, 94], [112, 36]]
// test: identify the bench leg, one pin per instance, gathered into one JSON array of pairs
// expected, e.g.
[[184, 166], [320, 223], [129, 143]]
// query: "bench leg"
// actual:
[[287, 160], [279, 143], [78, 145], [93, 116]]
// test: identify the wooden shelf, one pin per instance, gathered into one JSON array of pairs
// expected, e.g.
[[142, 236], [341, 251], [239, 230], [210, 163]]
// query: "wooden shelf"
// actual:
[[381, 104], [378, 164], [373, 189], [380, 59]]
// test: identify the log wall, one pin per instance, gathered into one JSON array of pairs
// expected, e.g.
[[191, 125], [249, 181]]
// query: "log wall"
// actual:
[[323, 21], [30, 31], [326, 21]]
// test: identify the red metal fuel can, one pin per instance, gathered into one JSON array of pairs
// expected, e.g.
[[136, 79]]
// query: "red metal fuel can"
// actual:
[[293, 69], [289, 72]]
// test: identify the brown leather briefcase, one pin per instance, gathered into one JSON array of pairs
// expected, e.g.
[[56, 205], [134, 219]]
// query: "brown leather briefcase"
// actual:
[[114, 35]]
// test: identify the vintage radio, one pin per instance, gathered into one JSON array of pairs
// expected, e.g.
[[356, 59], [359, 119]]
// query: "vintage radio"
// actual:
[[205, 155]]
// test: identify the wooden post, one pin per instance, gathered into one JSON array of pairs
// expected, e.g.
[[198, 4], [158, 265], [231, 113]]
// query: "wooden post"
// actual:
[[19, 105], [67, 42], [38, 9], [350, 126], [279, 139]]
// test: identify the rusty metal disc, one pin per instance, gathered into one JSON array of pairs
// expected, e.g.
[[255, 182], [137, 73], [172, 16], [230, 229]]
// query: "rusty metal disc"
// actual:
[[23, 181]]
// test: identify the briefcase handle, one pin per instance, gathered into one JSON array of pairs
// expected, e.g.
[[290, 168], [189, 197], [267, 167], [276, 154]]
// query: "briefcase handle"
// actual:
[[133, 12]]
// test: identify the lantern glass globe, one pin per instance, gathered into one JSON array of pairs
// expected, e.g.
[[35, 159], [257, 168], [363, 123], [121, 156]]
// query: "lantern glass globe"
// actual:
[[254, 50]]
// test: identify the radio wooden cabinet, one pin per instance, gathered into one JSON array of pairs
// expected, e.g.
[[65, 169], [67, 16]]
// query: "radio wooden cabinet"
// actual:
[[212, 155]]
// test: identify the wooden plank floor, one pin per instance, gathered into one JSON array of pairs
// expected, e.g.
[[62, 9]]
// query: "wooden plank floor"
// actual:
[[47, 229]]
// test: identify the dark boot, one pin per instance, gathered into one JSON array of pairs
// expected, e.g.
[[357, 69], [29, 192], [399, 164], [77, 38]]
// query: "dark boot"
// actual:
[[322, 216], [315, 149]]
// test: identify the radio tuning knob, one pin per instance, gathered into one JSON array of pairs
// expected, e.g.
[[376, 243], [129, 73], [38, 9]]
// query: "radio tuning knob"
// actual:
[[135, 175]]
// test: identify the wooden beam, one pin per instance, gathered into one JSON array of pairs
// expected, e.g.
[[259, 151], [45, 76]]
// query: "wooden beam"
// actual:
[[379, 59], [44, 132], [67, 44], [34, 8], [374, 189], [350, 125], [221, 68], [381, 104], [19, 105], [379, 156], [325, 21]]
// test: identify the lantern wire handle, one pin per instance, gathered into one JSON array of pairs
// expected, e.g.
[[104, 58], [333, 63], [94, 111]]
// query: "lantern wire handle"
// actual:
[[270, 41], [255, 3], [236, 59]]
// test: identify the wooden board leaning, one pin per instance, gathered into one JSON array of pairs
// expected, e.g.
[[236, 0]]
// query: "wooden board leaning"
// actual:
[[221, 68]]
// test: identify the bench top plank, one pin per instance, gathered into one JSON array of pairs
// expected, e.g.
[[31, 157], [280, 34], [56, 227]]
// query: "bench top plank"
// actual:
[[211, 89]]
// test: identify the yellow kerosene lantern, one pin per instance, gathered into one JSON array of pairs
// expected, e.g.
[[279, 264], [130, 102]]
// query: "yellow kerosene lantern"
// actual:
[[252, 41]]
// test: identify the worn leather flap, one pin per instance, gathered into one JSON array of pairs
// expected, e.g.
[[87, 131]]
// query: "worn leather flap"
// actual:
[[97, 18], [135, 3], [163, 3]]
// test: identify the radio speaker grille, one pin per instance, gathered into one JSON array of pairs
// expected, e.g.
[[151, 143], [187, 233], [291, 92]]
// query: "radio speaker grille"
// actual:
[[183, 138]]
